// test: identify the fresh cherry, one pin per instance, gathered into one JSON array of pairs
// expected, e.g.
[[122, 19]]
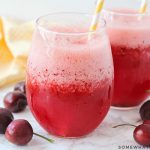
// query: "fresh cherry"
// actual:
[[146, 122], [6, 118], [15, 101], [145, 111], [19, 132], [142, 134], [20, 87]]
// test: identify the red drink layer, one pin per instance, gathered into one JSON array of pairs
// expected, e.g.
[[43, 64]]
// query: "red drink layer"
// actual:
[[132, 75], [130, 41], [69, 82], [69, 110]]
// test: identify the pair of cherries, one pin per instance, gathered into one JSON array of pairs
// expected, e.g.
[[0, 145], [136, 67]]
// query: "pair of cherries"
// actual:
[[141, 132], [19, 131]]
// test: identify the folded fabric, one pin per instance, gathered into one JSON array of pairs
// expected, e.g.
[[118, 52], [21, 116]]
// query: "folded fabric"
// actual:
[[15, 39]]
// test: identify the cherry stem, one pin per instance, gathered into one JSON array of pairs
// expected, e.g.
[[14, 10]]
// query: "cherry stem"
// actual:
[[48, 139], [138, 120], [124, 125]]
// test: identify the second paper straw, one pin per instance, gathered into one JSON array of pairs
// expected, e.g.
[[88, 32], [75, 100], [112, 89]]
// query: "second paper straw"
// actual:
[[144, 6]]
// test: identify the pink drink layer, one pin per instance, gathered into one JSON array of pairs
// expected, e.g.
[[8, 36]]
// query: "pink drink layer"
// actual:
[[69, 82], [130, 42]]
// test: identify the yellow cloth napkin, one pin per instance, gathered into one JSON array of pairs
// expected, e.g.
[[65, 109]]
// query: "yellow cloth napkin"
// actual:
[[15, 39]]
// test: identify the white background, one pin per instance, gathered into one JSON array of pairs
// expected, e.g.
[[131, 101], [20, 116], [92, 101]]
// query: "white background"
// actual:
[[31, 9]]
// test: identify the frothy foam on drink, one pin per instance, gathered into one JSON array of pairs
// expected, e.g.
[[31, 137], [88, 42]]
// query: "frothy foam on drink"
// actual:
[[130, 37], [71, 59], [128, 29]]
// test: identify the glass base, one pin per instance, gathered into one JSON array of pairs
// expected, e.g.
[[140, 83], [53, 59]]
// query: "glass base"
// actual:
[[124, 108], [73, 137]]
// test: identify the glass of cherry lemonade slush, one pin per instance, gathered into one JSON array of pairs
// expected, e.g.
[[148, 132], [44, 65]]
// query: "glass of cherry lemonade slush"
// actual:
[[69, 76], [129, 34]]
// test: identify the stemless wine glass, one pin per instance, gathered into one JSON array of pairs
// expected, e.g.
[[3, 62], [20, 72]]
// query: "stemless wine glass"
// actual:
[[129, 33], [69, 75]]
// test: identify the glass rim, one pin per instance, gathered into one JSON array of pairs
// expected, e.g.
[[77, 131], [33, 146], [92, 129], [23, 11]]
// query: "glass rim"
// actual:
[[101, 20], [125, 14]]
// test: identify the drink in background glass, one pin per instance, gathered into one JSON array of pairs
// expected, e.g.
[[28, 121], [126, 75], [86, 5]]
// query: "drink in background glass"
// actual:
[[69, 78], [129, 34]]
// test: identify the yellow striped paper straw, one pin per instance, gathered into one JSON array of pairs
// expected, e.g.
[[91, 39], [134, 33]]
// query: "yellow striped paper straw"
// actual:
[[144, 6], [95, 19]]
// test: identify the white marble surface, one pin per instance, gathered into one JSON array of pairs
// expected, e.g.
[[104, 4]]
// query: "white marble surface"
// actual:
[[103, 138]]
